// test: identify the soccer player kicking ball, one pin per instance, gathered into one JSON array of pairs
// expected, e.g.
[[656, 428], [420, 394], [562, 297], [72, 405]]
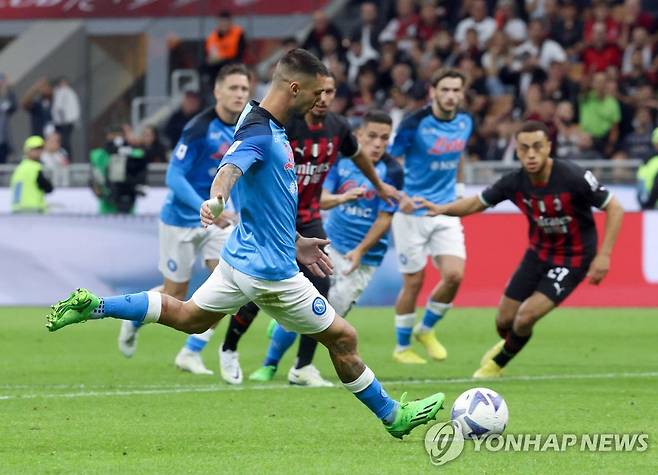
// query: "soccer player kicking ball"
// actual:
[[357, 226], [204, 141], [258, 262], [432, 142], [557, 198]]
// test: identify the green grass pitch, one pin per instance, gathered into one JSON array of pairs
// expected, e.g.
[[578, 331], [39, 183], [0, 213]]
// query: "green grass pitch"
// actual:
[[71, 403]]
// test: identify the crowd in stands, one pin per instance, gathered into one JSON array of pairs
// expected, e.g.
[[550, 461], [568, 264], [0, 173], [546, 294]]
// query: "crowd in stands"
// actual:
[[588, 69]]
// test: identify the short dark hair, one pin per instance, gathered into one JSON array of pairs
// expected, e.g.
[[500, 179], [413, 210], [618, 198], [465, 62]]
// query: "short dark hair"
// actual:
[[224, 14], [447, 73], [299, 60], [232, 68], [377, 116], [533, 126]]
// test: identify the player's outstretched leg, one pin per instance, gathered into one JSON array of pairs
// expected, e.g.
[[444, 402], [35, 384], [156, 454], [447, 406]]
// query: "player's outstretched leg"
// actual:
[[189, 356], [399, 418], [281, 341], [143, 307]]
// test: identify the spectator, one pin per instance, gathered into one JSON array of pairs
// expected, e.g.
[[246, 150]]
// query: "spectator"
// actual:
[[38, 102], [403, 26], [65, 111], [190, 106], [442, 47], [600, 115], [428, 23], [568, 31], [226, 44], [545, 113], [509, 23], [633, 16], [640, 42], [493, 60], [647, 178], [366, 95], [330, 50], [154, 151], [541, 50], [470, 48], [29, 184], [601, 14], [600, 54], [557, 86], [401, 74], [536, 8], [7, 108], [55, 160], [322, 28], [634, 79], [367, 33], [572, 143], [638, 144], [357, 57], [478, 19]]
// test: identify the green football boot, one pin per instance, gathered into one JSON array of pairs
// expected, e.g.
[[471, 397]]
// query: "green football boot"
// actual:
[[263, 374], [74, 309], [414, 413]]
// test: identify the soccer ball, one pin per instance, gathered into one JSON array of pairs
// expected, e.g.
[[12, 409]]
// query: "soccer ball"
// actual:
[[480, 412]]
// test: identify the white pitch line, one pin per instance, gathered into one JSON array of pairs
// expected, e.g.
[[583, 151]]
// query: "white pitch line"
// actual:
[[268, 387]]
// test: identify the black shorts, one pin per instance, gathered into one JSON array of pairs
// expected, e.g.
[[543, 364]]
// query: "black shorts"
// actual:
[[535, 275], [314, 229]]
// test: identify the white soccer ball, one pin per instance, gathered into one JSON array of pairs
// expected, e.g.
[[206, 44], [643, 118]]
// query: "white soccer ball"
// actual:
[[480, 412]]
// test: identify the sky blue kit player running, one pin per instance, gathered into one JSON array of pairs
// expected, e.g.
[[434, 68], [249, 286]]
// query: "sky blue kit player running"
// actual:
[[358, 225], [259, 260], [194, 162], [432, 142]]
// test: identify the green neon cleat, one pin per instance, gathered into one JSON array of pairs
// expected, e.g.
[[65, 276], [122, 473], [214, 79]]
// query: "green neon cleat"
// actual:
[[411, 414], [263, 374], [74, 309]]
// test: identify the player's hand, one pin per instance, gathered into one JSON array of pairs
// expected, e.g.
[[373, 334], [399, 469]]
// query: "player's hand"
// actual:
[[354, 256], [210, 210], [407, 204], [432, 209], [389, 193], [226, 219], [353, 194], [598, 269], [310, 253]]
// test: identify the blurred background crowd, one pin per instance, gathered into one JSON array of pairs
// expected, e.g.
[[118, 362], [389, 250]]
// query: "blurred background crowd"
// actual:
[[586, 68]]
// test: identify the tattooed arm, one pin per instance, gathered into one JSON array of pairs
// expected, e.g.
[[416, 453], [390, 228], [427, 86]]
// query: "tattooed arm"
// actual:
[[220, 190]]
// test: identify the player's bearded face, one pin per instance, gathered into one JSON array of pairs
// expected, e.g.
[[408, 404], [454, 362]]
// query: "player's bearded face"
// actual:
[[233, 92], [533, 150], [373, 138], [326, 98], [448, 94]]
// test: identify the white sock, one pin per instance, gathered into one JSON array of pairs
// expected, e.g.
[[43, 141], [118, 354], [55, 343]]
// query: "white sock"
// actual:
[[207, 335], [154, 308]]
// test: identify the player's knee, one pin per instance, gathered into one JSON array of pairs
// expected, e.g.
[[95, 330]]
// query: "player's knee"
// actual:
[[524, 321], [413, 283], [453, 278], [345, 342]]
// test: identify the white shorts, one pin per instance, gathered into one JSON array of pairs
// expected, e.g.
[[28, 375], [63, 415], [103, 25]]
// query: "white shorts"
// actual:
[[346, 289], [293, 302], [179, 248], [417, 237]]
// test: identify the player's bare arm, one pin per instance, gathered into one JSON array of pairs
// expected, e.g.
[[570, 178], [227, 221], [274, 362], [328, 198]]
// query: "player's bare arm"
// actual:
[[461, 207], [614, 215], [221, 188], [379, 228], [330, 200], [385, 191]]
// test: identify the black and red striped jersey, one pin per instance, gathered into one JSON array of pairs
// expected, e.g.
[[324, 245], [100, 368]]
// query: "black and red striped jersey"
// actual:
[[316, 148], [561, 225]]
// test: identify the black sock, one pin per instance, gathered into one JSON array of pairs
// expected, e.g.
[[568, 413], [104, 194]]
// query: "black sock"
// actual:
[[306, 351], [502, 331], [238, 326], [513, 344]]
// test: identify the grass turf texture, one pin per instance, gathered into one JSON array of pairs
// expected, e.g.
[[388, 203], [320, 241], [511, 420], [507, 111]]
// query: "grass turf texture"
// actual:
[[71, 403]]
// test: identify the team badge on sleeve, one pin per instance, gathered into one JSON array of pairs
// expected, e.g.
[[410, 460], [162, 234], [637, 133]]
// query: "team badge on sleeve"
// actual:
[[181, 150]]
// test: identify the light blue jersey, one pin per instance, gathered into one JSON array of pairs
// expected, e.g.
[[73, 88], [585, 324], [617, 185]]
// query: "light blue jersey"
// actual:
[[194, 162], [263, 243], [349, 223], [432, 149]]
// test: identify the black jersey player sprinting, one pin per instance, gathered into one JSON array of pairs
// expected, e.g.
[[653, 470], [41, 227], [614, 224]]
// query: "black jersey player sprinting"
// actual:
[[317, 139], [557, 197]]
